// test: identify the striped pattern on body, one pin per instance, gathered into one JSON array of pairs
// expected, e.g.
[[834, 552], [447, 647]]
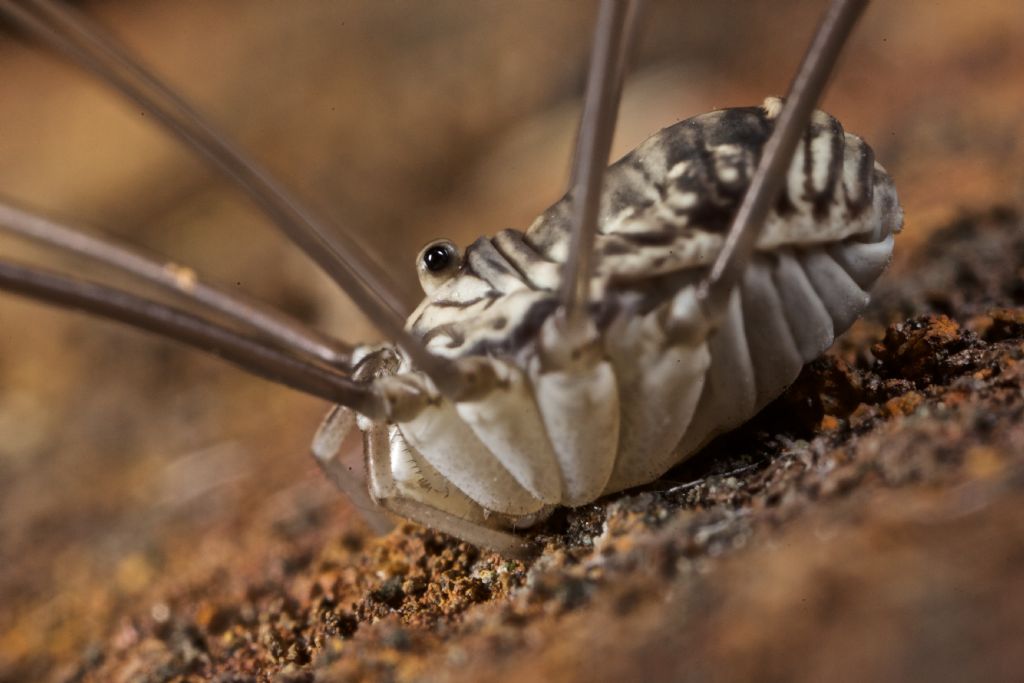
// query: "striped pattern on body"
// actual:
[[666, 208]]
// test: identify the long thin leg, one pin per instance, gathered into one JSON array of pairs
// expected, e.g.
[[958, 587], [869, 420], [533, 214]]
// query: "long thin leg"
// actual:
[[804, 93], [617, 20], [276, 326], [250, 354], [338, 255], [630, 27]]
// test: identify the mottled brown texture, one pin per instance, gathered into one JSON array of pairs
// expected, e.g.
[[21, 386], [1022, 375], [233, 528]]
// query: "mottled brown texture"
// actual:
[[160, 518]]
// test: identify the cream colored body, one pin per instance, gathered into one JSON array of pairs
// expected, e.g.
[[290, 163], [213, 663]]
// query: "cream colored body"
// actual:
[[565, 429]]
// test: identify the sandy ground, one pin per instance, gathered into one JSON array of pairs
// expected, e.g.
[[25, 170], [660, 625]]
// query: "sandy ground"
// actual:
[[160, 519]]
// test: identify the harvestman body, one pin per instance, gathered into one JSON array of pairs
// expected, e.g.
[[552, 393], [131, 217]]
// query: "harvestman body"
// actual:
[[558, 431], [660, 303]]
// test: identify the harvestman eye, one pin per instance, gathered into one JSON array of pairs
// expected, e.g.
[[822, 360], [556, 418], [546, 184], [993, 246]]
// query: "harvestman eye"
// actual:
[[437, 263]]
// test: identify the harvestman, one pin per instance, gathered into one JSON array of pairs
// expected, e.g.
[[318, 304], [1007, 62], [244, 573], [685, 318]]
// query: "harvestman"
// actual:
[[663, 300]]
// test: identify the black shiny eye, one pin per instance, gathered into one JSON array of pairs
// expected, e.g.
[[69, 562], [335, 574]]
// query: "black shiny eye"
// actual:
[[437, 257]]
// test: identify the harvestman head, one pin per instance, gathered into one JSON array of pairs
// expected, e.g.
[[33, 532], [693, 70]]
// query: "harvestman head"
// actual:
[[619, 307]]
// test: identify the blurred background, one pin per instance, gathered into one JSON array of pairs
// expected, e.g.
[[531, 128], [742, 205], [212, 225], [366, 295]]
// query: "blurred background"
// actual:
[[129, 466]]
